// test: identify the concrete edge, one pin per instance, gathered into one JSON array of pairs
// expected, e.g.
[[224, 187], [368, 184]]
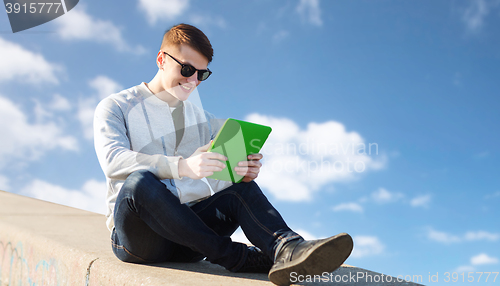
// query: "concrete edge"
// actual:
[[42, 243]]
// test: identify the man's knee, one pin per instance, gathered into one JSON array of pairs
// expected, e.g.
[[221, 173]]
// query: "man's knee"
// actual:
[[252, 187], [141, 175], [246, 189], [141, 183], [140, 179]]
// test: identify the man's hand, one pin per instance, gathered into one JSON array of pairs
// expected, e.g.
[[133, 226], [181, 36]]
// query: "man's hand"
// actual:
[[201, 164], [249, 169]]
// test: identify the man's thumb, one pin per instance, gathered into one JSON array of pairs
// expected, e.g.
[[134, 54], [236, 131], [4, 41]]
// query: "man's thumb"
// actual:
[[204, 148]]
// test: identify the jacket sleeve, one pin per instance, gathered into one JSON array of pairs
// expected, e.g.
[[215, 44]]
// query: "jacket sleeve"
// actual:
[[113, 147]]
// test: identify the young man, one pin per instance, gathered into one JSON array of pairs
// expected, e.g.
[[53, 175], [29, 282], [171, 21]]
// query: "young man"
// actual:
[[151, 143]]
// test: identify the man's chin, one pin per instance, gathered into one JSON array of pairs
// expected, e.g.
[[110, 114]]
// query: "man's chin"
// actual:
[[180, 93], [183, 96]]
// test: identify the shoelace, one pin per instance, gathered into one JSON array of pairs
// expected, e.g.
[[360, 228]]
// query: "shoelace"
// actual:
[[256, 262]]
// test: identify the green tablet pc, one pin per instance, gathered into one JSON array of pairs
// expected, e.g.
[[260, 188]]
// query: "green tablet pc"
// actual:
[[236, 140]]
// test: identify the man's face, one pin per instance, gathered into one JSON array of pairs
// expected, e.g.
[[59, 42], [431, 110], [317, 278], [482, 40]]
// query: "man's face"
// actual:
[[173, 82]]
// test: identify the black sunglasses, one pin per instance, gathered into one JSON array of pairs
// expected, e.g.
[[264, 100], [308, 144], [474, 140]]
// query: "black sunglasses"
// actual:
[[189, 70]]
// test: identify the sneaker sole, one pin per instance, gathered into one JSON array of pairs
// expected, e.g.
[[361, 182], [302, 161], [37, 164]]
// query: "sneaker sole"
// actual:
[[323, 257]]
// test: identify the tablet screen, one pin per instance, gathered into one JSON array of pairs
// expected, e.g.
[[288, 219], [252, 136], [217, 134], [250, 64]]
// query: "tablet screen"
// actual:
[[236, 140]]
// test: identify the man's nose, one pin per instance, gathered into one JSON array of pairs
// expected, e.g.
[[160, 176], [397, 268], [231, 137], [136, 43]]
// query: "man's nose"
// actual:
[[194, 79]]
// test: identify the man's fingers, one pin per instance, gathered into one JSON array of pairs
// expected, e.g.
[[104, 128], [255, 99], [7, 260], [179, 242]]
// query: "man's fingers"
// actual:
[[214, 156], [207, 171], [250, 164], [246, 171], [257, 156], [241, 170], [249, 177], [212, 169], [211, 160], [213, 163]]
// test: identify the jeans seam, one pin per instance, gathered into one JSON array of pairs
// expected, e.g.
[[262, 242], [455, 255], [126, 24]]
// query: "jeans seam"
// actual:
[[251, 213], [113, 244], [242, 260]]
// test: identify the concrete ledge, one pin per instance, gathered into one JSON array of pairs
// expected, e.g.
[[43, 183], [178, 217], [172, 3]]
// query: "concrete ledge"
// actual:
[[42, 243]]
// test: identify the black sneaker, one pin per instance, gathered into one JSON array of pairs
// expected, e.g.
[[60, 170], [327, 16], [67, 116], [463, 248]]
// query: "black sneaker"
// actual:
[[312, 257], [256, 262]]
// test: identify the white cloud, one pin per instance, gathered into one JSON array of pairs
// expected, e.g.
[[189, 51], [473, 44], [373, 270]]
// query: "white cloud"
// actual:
[[104, 87], [298, 162], [44, 111], [381, 196], [464, 268], [481, 155], [40, 112], [310, 12], [28, 141], [443, 237], [81, 26], [493, 195], [353, 207], [163, 9], [305, 234], [59, 103], [474, 15], [481, 235], [421, 201], [91, 196], [239, 236], [280, 36], [384, 196], [483, 258], [480, 259], [26, 66], [366, 246]]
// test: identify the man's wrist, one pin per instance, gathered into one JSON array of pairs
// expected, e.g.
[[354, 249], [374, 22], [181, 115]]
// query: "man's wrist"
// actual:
[[181, 167]]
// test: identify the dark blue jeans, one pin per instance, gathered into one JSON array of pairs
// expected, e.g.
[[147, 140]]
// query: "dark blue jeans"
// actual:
[[151, 225]]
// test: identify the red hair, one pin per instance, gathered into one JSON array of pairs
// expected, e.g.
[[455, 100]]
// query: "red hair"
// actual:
[[191, 36]]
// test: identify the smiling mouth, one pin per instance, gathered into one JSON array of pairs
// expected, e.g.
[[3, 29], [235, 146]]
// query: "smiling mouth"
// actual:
[[186, 87]]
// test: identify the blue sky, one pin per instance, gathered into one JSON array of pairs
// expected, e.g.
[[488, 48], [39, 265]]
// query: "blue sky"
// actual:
[[418, 80]]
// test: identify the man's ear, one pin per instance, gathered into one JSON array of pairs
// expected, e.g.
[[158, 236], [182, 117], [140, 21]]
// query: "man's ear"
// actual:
[[159, 60]]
